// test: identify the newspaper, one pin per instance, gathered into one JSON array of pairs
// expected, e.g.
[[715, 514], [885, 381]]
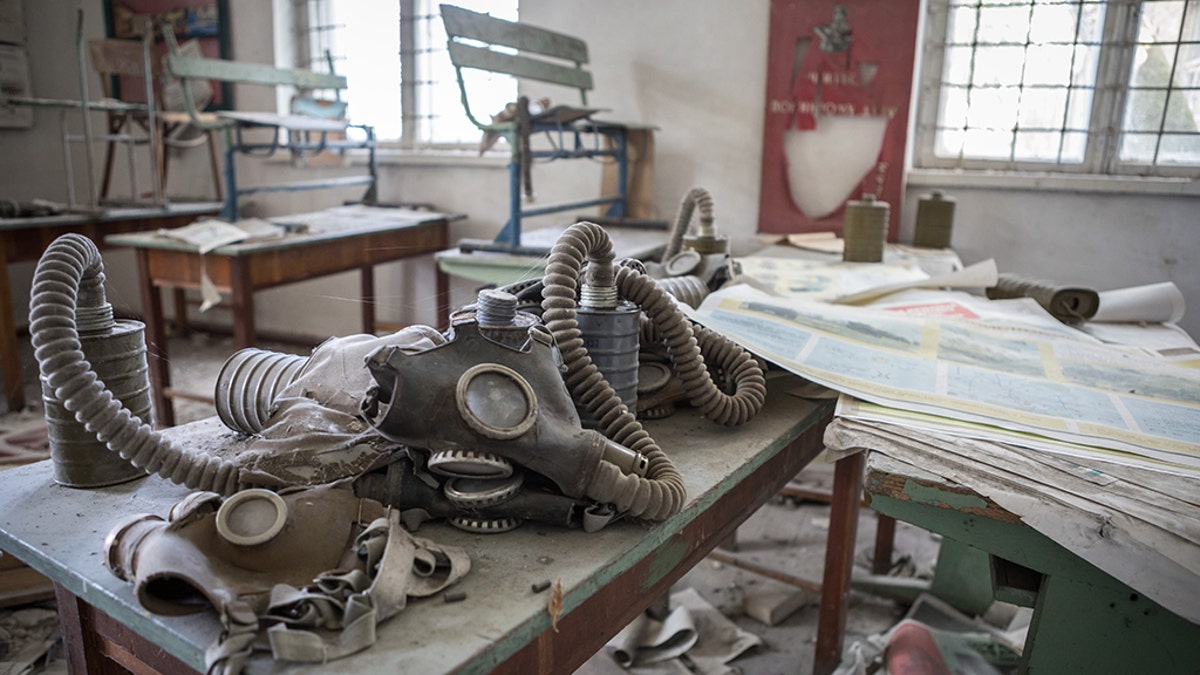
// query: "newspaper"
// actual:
[[1067, 387]]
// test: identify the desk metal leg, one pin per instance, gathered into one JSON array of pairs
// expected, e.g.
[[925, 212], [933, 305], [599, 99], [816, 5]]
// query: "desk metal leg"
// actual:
[[839, 561], [242, 290], [156, 343], [10, 356]]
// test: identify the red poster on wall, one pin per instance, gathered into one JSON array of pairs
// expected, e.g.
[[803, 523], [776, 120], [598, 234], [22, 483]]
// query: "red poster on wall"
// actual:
[[839, 81]]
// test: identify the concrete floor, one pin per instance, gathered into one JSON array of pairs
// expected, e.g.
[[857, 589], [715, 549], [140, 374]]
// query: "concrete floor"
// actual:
[[784, 535]]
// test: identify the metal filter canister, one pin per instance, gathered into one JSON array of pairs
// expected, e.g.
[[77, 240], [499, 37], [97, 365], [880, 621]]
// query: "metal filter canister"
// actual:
[[866, 230], [118, 356], [611, 338], [935, 220]]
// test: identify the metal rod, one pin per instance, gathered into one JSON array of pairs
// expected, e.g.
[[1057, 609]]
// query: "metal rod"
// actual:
[[62, 123], [764, 571], [133, 189], [152, 115], [87, 110]]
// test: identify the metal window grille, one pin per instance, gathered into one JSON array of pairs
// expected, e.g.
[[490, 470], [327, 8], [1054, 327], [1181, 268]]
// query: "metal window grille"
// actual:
[[1082, 86], [399, 76]]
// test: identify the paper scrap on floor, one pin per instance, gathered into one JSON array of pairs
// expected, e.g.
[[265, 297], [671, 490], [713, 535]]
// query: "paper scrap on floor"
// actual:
[[694, 630]]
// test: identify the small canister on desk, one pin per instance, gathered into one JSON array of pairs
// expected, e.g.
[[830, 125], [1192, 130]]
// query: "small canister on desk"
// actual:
[[935, 220], [866, 230]]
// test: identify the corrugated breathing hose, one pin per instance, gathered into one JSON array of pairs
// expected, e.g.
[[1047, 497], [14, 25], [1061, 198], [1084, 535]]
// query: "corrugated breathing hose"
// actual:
[[690, 346], [70, 263], [661, 493], [696, 197]]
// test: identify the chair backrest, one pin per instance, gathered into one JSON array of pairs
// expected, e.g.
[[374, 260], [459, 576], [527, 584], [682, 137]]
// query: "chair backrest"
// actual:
[[119, 58], [542, 54], [189, 69]]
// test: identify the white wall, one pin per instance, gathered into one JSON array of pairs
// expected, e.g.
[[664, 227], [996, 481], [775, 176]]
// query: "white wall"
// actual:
[[698, 71]]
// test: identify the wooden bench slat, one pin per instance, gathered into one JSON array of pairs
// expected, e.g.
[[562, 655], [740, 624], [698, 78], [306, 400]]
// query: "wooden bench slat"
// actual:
[[466, 56], [251, 73], [464, 23]]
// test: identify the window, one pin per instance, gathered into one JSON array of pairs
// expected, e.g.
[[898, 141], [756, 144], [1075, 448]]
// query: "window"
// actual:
[[399, 76], [1077, 86]]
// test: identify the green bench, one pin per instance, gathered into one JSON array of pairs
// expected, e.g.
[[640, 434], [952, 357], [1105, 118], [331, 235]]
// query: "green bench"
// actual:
[[482, 42], [314, 126]]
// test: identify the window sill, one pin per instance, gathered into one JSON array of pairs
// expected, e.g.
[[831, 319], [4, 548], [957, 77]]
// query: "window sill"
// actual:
[[447, 159], [468, 159], [1045, 182]]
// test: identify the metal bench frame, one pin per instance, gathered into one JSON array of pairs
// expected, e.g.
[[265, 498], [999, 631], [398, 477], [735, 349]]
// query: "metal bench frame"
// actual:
[[305, 134], [546, 56]]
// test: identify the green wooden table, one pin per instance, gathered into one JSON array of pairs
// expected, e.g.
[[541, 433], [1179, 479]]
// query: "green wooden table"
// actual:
[[1085, 621], [608, 577]]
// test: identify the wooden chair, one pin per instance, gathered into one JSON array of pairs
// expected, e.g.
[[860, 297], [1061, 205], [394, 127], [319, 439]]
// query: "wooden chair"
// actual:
[[124, 60], [545, 56]]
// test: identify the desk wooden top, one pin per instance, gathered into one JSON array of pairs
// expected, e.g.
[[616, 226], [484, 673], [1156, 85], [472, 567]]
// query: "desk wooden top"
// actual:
[[60, 532], [305, 229], [112, 214]]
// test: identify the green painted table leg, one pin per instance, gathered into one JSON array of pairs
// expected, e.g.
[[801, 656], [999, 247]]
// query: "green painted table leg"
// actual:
[[1103, 626], [1084, 620]]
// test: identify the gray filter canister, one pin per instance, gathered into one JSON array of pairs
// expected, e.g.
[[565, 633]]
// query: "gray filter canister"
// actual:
[[610, 335], [866, 230], [935, 221], [118, 355]]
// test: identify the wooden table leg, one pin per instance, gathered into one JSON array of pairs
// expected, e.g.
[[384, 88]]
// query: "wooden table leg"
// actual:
[[156, 343], [366, 293], [180, 325], [97, 644], [10, 355], [443, 298], [82, 656], [839, 561], [242, 290], [885, 535]]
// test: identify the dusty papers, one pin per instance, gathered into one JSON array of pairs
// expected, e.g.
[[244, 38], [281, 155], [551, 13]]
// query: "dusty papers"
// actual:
[[994, 373]]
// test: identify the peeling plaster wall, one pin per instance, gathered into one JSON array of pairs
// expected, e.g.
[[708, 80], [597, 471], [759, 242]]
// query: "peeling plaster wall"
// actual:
[[698, 71]]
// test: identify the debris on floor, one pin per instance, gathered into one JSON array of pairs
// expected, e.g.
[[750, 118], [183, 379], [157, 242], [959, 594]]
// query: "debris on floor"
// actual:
[[933, 638], [695, 637], [29, 640], [23, 438]]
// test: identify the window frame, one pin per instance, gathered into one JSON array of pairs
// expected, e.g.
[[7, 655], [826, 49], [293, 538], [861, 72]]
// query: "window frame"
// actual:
[[410, 141], [1101, 156]]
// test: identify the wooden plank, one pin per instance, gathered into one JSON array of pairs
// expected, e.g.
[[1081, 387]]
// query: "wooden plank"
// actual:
[[251, 73], [464, 23], [466, 56]]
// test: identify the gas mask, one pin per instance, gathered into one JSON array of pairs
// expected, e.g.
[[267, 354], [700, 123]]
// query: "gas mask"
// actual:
[[310, 570]]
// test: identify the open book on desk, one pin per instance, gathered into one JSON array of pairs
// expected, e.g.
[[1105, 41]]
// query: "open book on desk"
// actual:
[[211, 233]]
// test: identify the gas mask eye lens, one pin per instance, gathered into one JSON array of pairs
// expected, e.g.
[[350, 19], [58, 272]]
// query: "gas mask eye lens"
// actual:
[[251, 517], [496, 401]]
